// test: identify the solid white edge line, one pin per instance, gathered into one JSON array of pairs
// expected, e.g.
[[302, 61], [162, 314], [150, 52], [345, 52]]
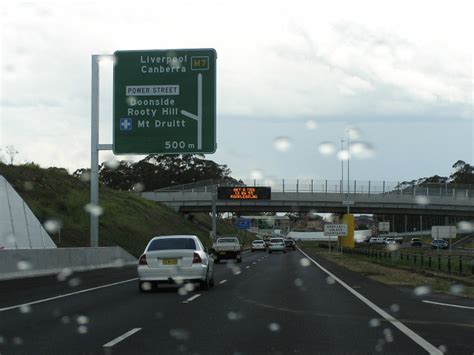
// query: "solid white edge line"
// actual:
[[193, 297], [222, 282], [65, 295], [122, 337], [430, 348], [447, 304]]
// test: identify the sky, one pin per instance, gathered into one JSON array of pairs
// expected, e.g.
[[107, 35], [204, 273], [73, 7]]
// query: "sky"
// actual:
[[294, 78]]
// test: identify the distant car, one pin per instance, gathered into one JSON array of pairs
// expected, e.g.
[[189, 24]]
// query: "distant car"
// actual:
[[389, 241], [175, 259], [416, 242], [373, 240], [226, 248], [439, 244], [277, 244], [259, 244], [290, 244]]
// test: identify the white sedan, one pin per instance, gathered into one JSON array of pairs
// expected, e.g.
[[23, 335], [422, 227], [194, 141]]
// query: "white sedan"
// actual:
[[175, 259], [259, 244], [277, 244]]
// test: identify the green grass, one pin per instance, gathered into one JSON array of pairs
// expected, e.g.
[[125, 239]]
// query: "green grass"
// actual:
[[128, 220]]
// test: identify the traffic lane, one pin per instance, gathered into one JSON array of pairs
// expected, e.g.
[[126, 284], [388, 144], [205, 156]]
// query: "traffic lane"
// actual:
[[448, 328], [86, 320], [24, 290], [278, 305]]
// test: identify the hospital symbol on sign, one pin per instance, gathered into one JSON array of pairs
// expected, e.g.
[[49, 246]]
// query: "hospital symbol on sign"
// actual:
[[125, 124]]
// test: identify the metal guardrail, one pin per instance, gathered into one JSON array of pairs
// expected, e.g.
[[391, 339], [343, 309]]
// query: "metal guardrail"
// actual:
[[363, 187]]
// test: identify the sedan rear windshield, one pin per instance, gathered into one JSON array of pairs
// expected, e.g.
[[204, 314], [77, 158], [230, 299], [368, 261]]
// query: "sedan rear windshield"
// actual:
[[276, 240], [172, 243], [228, 240], [258, 241]]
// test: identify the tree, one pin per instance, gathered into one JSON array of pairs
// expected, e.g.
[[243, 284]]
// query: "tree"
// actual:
[[459, 165], [11, 153]]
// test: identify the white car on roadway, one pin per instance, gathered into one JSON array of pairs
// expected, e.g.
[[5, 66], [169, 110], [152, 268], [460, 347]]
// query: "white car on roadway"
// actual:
[[389, 241], [259, 244], [175, 259], [276, 244]]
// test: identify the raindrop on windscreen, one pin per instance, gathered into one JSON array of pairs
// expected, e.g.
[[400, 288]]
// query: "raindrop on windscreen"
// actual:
[[52, 225], [112, 164], [182, 291], [17, 341], [24, 265], [394, 308], [393, 247], [28, 185], [236, 270], [138, 187], [374, 322], [233, 316], [256, 174], [387, 332], [361, 150], [310, 124], [422, 200], [305, 262], [93, 209], [65, 320], [74, 282], [85, 176], [282, 144], [422, 290], [26, 308], [64, 274], [343, 154], [145, 286], [327, 148], [443, 349], [456, 289], [330, 280], [354, 132], [274, 327], [298, 282], [2, 340], [119, 262], [82, 319], [82, 329], [179, 334], [189, 287], [465, 227]]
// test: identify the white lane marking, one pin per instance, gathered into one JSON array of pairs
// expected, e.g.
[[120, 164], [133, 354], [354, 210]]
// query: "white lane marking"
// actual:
[[66, 295], [190, 299], [448, 304], [247, 267], [222, 282], [430, 348], [122, 337]]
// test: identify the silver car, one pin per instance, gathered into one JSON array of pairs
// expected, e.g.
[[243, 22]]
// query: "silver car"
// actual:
[[259, 244], [175, 259], [277, 244]]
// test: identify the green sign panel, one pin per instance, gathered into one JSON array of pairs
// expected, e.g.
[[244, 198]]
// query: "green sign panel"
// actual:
[[165, 101]]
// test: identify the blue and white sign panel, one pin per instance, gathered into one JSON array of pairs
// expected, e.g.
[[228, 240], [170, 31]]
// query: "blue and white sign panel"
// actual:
[[243, 223]]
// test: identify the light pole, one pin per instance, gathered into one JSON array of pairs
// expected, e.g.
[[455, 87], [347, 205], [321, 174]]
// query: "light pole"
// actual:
[[348, 158], [342, 168]]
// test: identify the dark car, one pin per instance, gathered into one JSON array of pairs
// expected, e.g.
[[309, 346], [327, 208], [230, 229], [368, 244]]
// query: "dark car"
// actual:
[[439, 244], [416, 242], [290, 244]]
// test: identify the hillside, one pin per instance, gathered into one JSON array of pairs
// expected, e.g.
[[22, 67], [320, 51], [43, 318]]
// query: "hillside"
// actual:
[[127, 220]]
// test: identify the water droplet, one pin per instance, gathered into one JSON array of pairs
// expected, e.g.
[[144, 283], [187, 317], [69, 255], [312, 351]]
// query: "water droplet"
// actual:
[[179, 280], [146, 286], [394, 308], [119, 262], [82, 329], [456, 289], [28, 185], [310, 124], [374, 322], [64, 274], [2, 340], [283, 144], [387, 332], [131, 101], [443, 349], [393, 247], [82, 320], [85, 176], [52, 225], [256, 174], [305, 262], [65, 320], [159, 315], [189, 287], [112, 164], [26, 308], [24, 265], [330, 280], [236, 270], [354, 133], [74, 282], [422, 290], [465, 227], [422, 200], [298, 282], [361, 150], [234, 316], [179, 334], [327, 148], [182, 291], [343, 154], [93, 209], [274, 327], [138, 187], [17, 341]]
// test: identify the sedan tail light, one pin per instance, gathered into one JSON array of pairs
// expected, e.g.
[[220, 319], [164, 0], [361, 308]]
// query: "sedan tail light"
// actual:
[[197, 259], [142, 260]]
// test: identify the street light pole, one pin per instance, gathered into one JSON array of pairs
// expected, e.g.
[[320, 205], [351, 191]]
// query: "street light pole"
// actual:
[[348, 158], [342, 168]]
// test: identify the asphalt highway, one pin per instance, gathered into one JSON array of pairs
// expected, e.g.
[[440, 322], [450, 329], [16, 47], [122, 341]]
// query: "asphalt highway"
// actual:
[[269, 304]]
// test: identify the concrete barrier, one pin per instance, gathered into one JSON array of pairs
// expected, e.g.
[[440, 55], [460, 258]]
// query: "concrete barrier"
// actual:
[[20, 263]]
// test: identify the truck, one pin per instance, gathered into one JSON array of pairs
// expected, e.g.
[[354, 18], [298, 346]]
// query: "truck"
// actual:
[[227, 248]]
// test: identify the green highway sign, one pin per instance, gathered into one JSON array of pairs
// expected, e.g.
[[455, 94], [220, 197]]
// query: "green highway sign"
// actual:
[[164, 101]]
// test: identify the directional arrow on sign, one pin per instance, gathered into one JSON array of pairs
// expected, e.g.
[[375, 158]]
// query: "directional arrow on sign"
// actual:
[[197, 117]]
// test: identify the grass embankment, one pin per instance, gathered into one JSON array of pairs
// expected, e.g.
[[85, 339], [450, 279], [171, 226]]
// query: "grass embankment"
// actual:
[[127, 220], [395, 276]]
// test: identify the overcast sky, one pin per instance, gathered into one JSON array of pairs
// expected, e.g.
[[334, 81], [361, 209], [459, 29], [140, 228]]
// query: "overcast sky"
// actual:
[[401, 72]]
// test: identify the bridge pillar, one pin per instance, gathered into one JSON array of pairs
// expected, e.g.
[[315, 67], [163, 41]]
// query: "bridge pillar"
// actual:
[[348, 241]]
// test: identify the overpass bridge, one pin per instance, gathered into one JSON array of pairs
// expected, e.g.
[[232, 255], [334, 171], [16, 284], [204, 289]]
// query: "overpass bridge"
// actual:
[[327, 196]]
